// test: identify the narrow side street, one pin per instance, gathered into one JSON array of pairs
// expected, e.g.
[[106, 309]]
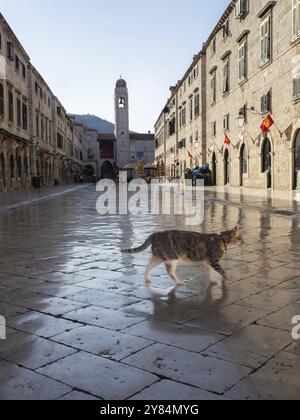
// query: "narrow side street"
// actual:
[[82, 325]]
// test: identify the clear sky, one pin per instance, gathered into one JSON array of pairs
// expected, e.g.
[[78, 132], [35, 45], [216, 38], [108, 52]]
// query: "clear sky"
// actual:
[[82, 47]]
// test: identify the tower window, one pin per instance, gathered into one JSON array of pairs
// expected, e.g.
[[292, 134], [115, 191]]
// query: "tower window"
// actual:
[[122, 103]]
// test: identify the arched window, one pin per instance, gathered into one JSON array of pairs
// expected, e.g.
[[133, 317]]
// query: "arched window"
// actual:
[[297, 152], [122, 103], [2, 167], [26, 166], [12, 167], [19, 166]]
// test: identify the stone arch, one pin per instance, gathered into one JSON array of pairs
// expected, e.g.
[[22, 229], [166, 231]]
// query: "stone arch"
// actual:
[[296, 161], [2, 170], [267, 160], [107, 170], [214, 169], [226, 163], [243, 162]]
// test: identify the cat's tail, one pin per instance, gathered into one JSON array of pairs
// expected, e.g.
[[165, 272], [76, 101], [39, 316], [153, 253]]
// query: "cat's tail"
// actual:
[[139, 249]]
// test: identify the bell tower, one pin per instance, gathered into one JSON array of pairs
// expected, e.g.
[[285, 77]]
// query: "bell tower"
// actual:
[[122, 123]]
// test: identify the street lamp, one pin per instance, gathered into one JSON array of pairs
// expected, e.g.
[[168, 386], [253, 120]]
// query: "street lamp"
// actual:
[[241, 117]]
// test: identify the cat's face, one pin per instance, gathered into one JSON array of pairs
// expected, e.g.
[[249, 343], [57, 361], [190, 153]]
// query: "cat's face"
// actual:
[[234, 237]]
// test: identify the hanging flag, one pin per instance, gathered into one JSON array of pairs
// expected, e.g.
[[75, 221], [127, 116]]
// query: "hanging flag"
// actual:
[[190, 155], [267, 124], [227, 140]]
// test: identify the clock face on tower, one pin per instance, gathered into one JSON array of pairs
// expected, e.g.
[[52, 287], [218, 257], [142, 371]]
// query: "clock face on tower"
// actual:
[[122, 133]]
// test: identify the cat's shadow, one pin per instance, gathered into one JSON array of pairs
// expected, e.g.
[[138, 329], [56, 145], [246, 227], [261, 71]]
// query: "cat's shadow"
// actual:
[[180, 307]]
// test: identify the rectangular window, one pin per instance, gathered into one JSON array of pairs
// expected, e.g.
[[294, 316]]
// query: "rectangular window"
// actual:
[[296, 18], [266, 103], [197, 104], [184, 115], [296, 88], [213, 85], [226, 29], [213, 46], [19, 112], [243, 64], [191, 108], [24, 116], [10, 105], [266, 40], [10, 51], [37, 124], [214, 129], [226, 83], [60, 141], [226, 122], [241, 9], [1, 101]]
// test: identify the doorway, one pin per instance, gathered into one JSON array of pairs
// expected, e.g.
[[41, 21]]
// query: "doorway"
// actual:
[[226, 167], [267, 161]]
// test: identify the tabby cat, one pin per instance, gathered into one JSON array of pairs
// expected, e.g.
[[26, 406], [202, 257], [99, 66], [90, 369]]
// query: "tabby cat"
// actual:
[[179, 247]]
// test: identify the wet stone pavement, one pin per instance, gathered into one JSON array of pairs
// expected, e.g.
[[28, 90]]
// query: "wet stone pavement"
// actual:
[[82, 325]]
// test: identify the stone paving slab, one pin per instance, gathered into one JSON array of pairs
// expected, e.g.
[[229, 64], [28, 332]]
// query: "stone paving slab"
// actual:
[[252, 347], [8, 310], [105, 343], [175, 335], [189, 368], [78, 396], [50, 305], [102, 317], [36, 353], [273, 299], [279, 379], [98, 376], [18, 383], [41, 325], [173, 391], [103, 299], [281, 319], [229, 319]]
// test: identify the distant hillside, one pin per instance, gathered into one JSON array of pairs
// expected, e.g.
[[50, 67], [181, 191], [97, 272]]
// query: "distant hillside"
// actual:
[[92, 121]]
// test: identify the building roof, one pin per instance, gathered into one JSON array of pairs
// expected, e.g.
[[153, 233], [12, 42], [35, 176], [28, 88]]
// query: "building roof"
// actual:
[[106, 136], [141, 137], [121, 83], [14, 37]]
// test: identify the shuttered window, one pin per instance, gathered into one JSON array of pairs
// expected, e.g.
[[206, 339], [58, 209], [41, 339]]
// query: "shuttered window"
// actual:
[[226, 77], [243, 61], [296, 18], [296, 88], [266, 41]]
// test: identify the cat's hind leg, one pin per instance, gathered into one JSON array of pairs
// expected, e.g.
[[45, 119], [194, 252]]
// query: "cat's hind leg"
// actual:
[[171, 267], [153, 263]]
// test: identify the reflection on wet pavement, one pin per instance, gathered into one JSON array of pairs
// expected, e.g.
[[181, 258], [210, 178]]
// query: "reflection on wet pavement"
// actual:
[[82, 325]]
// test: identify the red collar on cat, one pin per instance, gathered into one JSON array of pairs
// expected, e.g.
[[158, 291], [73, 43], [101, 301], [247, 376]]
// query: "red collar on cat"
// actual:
[[225, 243]]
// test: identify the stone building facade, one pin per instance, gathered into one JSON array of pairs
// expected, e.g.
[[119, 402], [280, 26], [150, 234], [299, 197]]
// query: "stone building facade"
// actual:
[[251, 72], [37, 140]]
